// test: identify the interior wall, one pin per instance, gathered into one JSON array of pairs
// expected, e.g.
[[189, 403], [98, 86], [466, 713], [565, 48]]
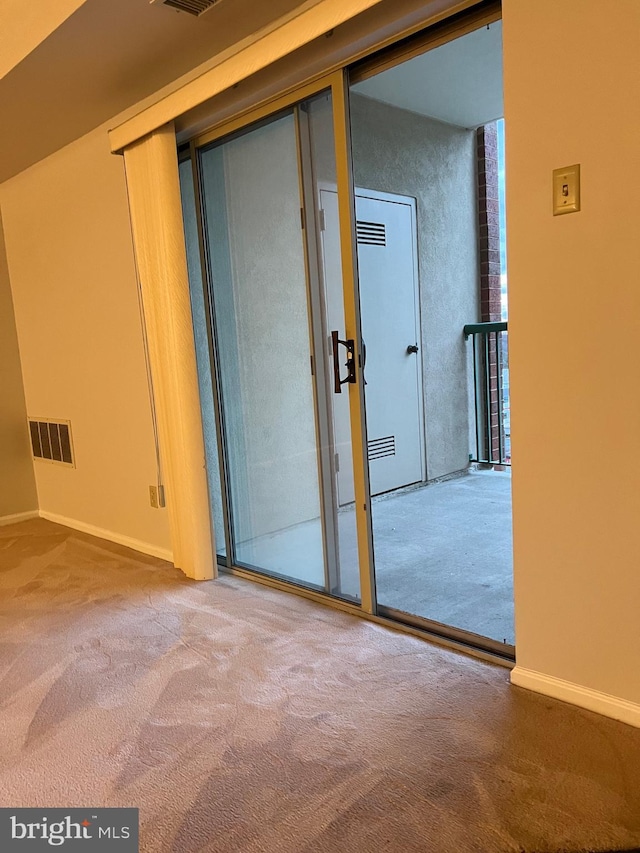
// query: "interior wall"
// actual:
[[72, 272], [574, 305], [18, 485], [398, 151]]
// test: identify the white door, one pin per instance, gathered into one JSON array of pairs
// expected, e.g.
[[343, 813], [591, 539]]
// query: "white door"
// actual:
[[391, 332]]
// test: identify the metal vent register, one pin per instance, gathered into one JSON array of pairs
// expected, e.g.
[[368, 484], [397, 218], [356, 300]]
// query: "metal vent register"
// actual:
[[379, 447], [371, 233], [51, 440], [193, 7]]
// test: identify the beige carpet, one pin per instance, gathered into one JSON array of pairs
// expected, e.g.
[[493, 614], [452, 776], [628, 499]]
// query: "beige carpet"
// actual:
[[242, 719]]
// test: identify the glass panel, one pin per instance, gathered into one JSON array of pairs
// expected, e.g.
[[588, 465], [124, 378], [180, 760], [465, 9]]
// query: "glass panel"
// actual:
[[422, 168], [252, 203], [205, 381], [321, 203]]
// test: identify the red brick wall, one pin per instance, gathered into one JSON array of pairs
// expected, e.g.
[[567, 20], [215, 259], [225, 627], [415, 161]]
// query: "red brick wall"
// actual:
[[489, 222], [489, 256]]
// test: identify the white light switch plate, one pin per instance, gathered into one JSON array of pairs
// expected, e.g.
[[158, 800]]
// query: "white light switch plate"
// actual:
[[566, 190]]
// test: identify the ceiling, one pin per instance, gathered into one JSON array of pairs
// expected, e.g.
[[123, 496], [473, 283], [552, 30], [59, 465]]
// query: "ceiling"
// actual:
[[106, 56], [25, 25], [110, 54], [459, 83]]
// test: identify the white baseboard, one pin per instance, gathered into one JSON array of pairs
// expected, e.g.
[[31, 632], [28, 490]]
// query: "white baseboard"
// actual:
[[575, 694], [18, 516], [101, 533]]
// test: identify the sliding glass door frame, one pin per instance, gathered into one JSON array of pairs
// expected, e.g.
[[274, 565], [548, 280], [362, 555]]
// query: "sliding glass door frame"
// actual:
[[223, 467], [387, 57], [337, 84]]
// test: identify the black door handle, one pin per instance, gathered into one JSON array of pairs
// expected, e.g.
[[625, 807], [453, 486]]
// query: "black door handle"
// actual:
[[363, 361], [350, 363], [412, 348]]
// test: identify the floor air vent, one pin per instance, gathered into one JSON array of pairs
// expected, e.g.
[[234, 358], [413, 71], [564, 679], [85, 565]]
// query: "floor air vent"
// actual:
[[371, 233], [379, 447], [51, 440], [193, 7]]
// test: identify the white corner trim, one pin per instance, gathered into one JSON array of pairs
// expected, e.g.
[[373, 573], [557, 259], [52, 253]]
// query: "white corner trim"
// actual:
[[101, 533], [576, 694], [18, 516]]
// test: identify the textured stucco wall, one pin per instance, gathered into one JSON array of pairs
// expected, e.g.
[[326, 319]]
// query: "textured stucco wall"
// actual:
[[398, 151], [17, 479]]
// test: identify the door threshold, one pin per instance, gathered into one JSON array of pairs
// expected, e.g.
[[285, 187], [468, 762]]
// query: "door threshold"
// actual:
[[476, 643], [449, 638]]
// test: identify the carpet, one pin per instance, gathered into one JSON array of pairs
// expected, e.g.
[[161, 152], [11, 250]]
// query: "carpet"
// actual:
[[239, 718]]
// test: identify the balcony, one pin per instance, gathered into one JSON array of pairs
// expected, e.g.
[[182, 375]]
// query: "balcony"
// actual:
[[491, 406]]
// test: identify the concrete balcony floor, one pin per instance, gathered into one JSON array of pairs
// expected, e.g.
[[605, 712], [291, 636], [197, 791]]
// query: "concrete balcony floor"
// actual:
[[442, 551]]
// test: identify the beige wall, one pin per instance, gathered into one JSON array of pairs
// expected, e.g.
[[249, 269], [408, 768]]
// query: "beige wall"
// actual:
[[72, 274], [574, 301], [17, 481]]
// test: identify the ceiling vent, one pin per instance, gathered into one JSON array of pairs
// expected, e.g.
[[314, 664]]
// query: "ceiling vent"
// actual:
[[193, 7]]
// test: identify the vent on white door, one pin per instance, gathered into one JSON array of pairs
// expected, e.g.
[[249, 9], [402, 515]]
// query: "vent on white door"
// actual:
[[193, 7], [51, 440], [371, 233], [379, 447]]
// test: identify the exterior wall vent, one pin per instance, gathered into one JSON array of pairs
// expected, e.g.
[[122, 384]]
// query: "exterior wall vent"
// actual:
[[193, 7], [379, 447], [371, 233], [51, 441]]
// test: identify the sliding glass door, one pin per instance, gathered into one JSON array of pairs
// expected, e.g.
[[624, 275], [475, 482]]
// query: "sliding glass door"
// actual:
[[432, 287], [260, 301], [270, 362], [333, 243]]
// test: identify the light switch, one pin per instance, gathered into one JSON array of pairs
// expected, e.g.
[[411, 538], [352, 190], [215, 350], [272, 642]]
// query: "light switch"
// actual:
[[566, 190]]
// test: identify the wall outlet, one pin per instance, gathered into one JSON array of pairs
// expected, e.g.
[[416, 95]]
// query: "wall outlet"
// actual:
[[156, 497]]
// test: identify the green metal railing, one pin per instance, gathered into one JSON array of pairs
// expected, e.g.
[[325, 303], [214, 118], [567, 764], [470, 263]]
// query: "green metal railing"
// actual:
[[492, 410]]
